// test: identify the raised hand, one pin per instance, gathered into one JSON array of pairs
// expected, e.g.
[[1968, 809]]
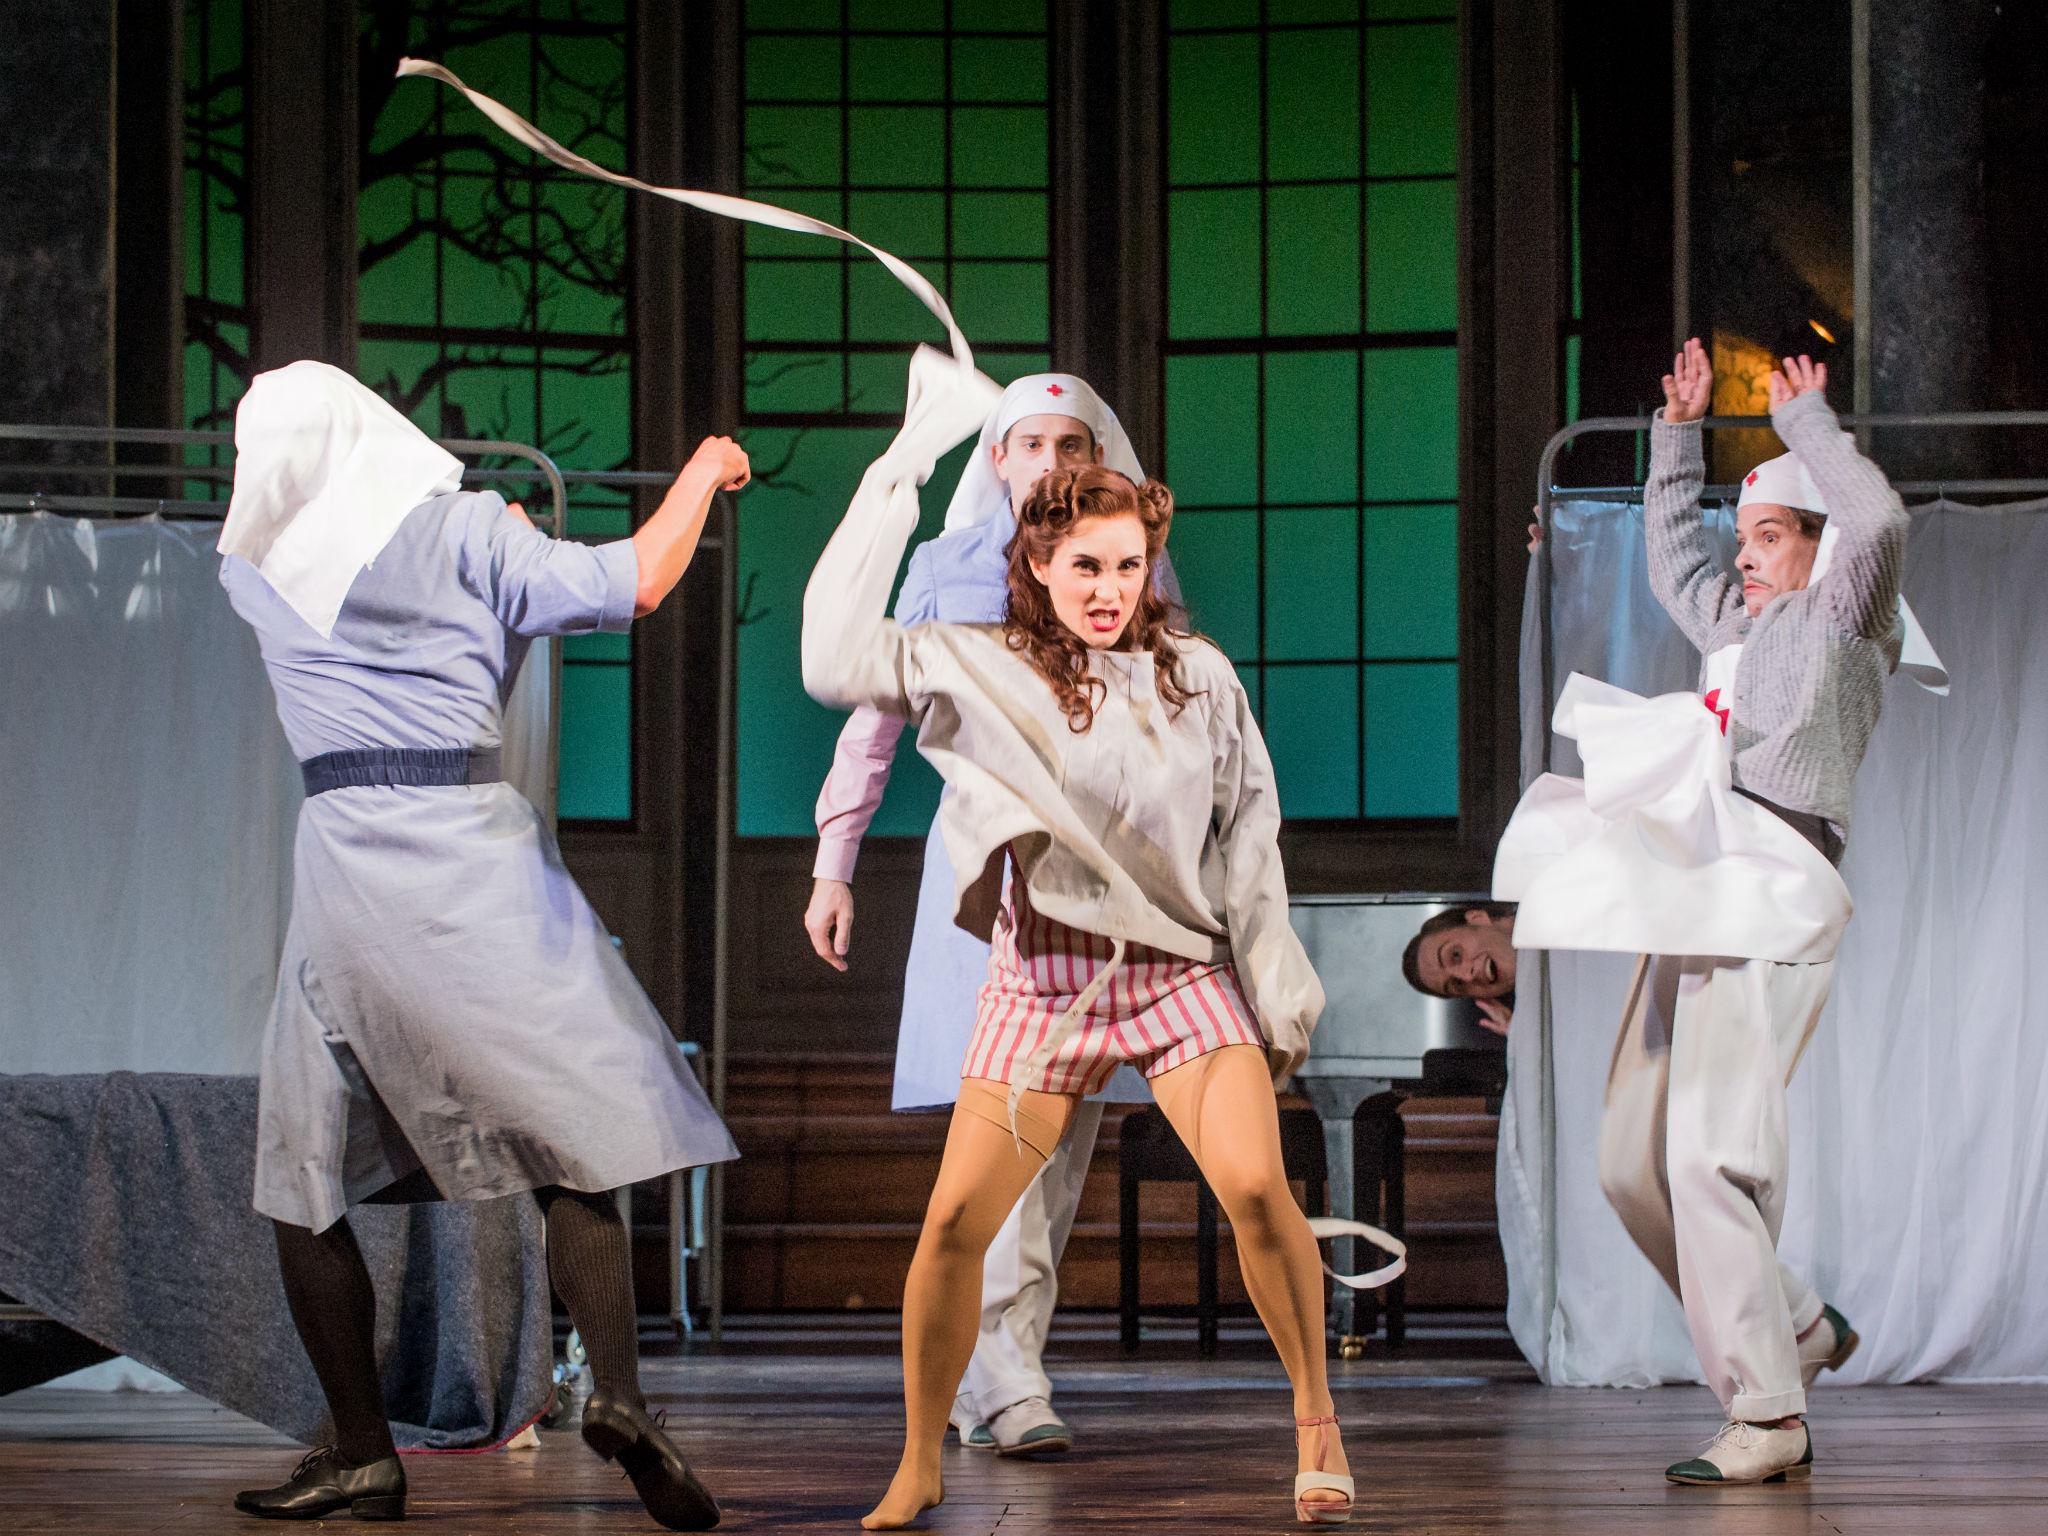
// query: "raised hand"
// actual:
[[1800, 375], [1689, 386], [727, 458], [829, 921], [1494, 1016]]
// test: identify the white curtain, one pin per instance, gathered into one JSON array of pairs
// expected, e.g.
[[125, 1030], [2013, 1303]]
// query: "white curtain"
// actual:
[[1919, 1196], [148, 801]]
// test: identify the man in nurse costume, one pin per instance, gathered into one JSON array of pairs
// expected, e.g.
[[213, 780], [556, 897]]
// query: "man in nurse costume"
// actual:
[[1707, 838], [1045, 421]]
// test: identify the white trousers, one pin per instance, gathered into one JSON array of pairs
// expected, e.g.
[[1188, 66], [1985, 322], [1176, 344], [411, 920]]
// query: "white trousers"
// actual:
[[1020, 1281], [1693, 1158]]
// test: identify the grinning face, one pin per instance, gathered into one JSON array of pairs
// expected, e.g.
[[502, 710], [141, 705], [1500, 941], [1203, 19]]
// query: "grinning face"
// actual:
[[1773, 553], [1040, 443], [1095, 576], [1475, 959]]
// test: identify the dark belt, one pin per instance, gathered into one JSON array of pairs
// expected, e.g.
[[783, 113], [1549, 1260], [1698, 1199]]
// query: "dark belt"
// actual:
[[420, 766], [1815, 829]]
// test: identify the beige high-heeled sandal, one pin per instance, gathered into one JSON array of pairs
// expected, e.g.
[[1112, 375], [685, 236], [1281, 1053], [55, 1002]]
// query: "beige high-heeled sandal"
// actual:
[[1322, 1511]]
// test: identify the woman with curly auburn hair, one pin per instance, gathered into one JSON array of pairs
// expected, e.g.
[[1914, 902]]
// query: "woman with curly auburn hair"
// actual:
[[1043, 422], [1115, 761]]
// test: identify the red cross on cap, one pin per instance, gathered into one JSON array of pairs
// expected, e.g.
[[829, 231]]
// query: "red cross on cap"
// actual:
[[1751, 478], [1054, 389]]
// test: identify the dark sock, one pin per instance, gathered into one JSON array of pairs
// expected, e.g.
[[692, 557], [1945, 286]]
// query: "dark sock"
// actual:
[[590, 1260], [328, 1288]]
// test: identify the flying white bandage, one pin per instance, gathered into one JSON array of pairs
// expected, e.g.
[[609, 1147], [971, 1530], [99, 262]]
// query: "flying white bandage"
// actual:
[[1371, 1279], [710, 202]]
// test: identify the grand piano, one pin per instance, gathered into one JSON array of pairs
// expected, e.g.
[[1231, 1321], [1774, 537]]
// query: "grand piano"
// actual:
[[1378, 1035]]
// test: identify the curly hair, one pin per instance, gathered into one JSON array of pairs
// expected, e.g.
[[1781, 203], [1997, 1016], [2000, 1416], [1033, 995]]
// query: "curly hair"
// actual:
[[1061, 501]]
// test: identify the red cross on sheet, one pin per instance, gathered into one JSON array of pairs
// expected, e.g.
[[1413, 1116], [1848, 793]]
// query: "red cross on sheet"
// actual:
[[1713, 703], [1054, 389]]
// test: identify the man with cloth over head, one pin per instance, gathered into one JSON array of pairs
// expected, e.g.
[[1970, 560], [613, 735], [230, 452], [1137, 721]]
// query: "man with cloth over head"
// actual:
[[451, 1021]]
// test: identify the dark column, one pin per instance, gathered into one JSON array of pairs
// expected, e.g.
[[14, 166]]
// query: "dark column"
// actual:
[[303, 144], [1929, 300], [1125, 88], [149, 215], [1519, 345], [2016, 211], [1772, 208], [56, 266], [1618, 62], [1107, 109]]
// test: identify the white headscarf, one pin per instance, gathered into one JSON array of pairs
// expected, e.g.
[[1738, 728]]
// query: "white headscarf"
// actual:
[[325, 471], [981, 493], [1785, 482]]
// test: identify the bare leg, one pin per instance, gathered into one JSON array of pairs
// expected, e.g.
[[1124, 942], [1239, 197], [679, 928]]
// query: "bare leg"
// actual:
[[983, 1172], [1221, 1104]]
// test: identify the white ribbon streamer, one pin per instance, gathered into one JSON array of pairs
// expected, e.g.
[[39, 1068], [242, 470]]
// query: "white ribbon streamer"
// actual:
[[710, 202], [1372, 1279]]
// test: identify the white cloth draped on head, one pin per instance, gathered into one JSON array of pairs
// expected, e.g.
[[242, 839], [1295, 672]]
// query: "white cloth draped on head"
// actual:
[[325, 471], [1785, 482], [981, 493]]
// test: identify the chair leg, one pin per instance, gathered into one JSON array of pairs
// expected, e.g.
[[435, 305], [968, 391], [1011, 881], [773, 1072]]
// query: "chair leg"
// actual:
[[1205, 1264], [1368, 1185], [1397, 1221], [678, 1256], [1127, 1261]]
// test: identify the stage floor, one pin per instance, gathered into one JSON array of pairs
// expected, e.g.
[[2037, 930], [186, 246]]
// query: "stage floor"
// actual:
[[795, 1426]]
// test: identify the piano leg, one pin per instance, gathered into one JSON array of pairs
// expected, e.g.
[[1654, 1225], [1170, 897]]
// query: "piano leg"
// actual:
[[1336, 1100], [1377, 1196], [1337, 1153], [1394, 1161]]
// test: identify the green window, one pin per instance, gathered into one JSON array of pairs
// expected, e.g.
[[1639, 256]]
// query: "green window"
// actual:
[[492, 287], [1312, 382], [920, 125]]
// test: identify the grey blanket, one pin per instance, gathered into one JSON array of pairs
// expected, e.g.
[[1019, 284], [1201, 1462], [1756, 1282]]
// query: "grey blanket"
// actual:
[[125, 1215]]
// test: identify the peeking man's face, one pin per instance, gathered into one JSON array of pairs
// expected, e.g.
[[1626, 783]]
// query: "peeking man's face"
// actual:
[[1473, 959]]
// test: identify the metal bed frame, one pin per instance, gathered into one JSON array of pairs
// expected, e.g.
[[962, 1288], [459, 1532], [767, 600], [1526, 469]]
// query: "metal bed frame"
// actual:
[[1548, 492], [696, 1225]]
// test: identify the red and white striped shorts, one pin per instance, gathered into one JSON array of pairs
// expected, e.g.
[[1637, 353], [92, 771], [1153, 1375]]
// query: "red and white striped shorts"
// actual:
[[1157, 1012]]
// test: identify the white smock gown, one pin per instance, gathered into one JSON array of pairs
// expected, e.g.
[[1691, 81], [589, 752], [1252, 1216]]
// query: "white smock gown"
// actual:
[[447, 999]]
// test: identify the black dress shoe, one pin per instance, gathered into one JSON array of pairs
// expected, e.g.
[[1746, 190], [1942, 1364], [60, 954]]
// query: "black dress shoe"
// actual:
[[325, 1484], [666, 1485]]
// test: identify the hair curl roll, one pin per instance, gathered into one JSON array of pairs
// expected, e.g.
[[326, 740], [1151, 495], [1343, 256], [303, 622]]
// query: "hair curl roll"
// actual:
[[1061, 501]]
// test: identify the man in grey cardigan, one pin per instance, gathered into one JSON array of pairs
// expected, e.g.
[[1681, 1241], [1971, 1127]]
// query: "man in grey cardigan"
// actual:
[[1693, 1152]]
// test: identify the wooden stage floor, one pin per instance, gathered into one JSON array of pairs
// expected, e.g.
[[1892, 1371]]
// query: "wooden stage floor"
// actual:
[[795, 1427]]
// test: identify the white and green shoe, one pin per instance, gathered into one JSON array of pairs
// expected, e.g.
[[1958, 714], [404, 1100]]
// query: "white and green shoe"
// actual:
[[1749, 1453], [976, 1437], [1826, 1346], [1030, 1428]]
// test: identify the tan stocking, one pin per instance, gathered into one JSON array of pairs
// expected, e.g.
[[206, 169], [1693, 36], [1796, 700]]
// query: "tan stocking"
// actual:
[[984, 1172], [1222, 1106]]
